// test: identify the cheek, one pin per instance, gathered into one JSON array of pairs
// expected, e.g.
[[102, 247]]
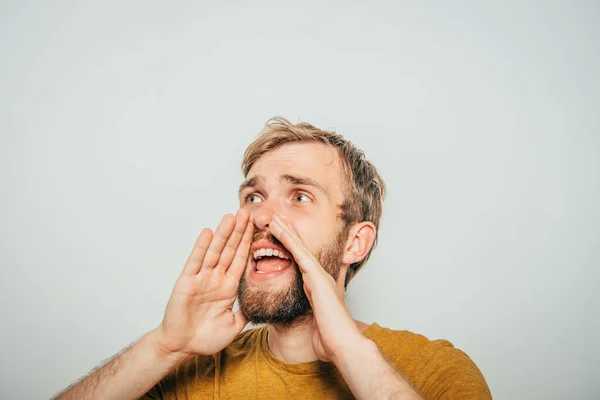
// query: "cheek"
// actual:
[[312, 232]]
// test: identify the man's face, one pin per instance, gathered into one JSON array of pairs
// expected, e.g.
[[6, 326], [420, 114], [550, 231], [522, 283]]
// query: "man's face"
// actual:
[[302, 183]]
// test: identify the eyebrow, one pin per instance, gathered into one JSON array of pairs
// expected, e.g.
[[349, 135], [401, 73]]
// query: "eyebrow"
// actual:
[[259, 180], [250, 183], [303, 180]]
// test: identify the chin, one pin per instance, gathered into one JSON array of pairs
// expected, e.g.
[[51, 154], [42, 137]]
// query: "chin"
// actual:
[[278, 299]]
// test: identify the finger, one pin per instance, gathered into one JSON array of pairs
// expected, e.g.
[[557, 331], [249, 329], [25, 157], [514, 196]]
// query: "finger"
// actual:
[[303, 257], [241, 222], [308, 294], [240, 320], [241, 255], [220, 237], [194, 260]]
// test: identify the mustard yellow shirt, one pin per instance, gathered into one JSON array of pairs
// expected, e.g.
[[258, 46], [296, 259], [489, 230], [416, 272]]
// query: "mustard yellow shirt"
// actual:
[[246, 369]]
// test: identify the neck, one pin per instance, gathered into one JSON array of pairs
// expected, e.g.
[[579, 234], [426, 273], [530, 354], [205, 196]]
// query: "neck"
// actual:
[[293, 344]]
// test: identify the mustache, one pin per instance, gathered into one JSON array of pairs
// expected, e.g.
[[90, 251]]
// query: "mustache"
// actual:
[[262, 235]]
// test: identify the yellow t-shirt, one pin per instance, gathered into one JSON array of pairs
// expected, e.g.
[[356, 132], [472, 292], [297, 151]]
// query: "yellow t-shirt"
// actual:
[[246, 369]]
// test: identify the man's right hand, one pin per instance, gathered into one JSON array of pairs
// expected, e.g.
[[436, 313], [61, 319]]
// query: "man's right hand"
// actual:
[[199, 317], [198, 320]]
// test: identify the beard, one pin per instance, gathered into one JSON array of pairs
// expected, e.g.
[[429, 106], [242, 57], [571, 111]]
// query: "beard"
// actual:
[[288, 305]]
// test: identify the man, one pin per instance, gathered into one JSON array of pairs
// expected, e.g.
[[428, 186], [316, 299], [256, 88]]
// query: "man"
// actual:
[[309, 212]]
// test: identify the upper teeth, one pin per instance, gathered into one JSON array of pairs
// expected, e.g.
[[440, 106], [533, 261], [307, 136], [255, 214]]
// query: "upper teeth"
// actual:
[[269, 252]]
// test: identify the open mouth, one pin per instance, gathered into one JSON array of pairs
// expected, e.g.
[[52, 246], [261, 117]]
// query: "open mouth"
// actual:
[[266, 259]]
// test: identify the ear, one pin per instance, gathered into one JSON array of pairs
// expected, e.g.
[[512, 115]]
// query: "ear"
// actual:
[[359, 243]]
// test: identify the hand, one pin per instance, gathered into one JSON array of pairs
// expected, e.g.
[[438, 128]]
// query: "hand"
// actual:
[[199, 317], [335, 330]]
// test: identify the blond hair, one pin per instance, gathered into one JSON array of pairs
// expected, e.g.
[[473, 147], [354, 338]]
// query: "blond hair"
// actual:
[[364, 188]]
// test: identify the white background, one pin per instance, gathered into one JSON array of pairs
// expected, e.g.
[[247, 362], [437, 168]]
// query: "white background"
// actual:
[[123, 125]]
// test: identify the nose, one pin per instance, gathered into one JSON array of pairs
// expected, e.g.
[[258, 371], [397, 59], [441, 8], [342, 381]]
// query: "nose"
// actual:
[[262, 215]]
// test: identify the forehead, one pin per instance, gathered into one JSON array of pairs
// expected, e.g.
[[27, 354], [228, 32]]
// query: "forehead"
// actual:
[[313, 160]]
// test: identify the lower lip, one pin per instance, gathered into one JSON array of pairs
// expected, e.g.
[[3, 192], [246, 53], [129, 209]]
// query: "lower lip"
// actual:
[[257, 276]]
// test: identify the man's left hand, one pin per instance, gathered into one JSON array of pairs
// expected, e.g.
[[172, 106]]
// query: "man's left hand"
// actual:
[[335, 330]]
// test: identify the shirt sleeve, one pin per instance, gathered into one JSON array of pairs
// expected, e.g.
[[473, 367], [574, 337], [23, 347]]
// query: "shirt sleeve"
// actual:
[[447, 373]]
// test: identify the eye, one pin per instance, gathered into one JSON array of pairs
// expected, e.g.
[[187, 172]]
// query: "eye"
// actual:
[[302, 198], [253, 198]]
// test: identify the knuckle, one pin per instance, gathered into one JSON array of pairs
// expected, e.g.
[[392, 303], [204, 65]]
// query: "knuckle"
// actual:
[[212, 250], [221, 235]]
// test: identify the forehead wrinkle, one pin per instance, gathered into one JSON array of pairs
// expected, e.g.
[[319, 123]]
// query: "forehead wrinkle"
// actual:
[[330, 157], [260, 180]]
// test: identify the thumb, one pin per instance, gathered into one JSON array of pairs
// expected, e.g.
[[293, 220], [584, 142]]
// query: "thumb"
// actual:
[[308, 294], [240, 320]]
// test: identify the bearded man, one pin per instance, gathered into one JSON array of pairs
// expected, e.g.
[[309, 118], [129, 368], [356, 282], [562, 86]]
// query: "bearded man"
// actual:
[[310, 207]]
